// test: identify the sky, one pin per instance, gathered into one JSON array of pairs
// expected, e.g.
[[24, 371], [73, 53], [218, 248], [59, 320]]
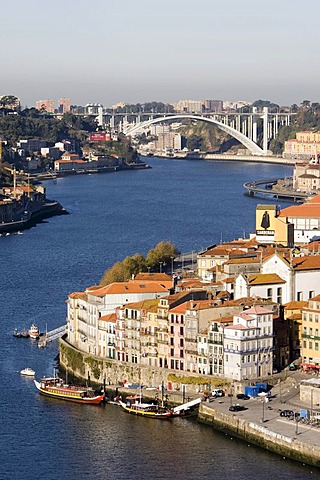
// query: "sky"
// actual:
[[138, 51]]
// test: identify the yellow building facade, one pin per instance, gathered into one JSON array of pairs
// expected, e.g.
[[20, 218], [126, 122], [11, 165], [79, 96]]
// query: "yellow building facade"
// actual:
[[310, 349]]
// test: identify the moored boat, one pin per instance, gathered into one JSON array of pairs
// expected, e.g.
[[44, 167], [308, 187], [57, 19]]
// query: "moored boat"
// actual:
[[25, 334], [27, 372], [147, 410], [55, 388], [34, 331], [16, 333]]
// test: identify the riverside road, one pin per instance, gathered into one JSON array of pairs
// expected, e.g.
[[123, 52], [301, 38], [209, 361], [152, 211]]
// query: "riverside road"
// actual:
[[285, 396]]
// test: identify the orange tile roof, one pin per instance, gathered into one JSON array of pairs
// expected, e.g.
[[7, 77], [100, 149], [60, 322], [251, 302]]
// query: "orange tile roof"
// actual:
[[82, 295], [119, 288], [112, 317], [298, 304], [229, 280], [309, 262], [144, 304], [295, 316], [237, 327], [264, 279], [315, 299], [233, 261], [257, 310], [154, 277]]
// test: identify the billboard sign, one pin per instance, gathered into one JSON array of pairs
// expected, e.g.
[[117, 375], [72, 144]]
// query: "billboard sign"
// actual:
[[97, 136]]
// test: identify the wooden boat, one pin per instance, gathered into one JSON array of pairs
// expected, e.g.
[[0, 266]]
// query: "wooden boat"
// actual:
[[55, 388], [34, 331], [16, 333], [27, 372], [147, 410], [25, 334]]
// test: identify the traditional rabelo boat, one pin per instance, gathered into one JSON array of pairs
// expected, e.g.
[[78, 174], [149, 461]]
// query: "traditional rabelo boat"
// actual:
[[147, 410], [55, 388]]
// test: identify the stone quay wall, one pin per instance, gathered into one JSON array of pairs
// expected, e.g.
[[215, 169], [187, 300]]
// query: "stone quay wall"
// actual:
[[258, 435], [111, 372]]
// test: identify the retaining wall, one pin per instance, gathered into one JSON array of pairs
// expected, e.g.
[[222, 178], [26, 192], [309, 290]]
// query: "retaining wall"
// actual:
[[259, 435]]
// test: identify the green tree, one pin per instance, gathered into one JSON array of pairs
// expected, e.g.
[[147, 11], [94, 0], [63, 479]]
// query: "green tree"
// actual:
[[161, 253], [194, 142]]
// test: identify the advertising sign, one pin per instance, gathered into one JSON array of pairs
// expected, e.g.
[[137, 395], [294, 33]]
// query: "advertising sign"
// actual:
[[265, 219], [97, 136]]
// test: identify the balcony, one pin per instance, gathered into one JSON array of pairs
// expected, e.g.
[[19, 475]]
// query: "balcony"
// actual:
[[311, 337]]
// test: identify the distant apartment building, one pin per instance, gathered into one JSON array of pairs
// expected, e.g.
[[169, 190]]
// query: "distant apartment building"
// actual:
[[64, 105], [189, 106], [93, 108], [168, 141], [32, 144], [230, 105], [310, 348], [306, 176], [305, 146], [248, 345], [215, 106], [45, 105]]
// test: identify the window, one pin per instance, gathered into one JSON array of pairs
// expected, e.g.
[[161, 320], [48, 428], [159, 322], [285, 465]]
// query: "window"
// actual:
[[316, 346], [311, 293], [316, 318], [299, 296], [269, 293], [279, 295]]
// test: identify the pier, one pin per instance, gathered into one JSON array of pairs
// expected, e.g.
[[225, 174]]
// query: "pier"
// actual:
[[255, 188], [52, 335]]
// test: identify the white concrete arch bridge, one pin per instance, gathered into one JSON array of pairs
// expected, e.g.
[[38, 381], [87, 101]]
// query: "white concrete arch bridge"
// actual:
[[242, 127]]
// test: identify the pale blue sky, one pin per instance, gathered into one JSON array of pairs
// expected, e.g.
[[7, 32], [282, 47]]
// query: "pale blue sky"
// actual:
[[136, 51]]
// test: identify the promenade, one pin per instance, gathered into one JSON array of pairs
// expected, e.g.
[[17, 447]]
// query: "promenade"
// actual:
[[266, 414]]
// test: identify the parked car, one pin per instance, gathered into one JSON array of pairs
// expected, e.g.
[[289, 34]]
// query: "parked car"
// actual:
[[242, 396], [286, 413], [217, 393], [236, 408]]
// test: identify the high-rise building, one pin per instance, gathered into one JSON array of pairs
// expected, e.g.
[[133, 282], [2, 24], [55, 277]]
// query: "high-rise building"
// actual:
[[64, 105], [45, 105]]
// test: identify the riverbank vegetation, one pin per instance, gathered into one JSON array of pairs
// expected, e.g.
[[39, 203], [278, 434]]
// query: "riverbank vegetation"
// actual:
[[162, 254]]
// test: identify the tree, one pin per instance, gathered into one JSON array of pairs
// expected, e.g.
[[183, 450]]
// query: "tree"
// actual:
[[161, 253], [194, 142]]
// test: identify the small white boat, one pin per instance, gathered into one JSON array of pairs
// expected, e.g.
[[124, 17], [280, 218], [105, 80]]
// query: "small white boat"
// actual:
[[34, 331], [28, 372]]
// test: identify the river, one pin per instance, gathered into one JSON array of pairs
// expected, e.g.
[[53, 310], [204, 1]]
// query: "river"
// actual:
[[192, 203]]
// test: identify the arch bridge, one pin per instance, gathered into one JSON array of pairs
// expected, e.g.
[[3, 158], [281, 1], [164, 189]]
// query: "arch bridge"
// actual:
[[242, 127]]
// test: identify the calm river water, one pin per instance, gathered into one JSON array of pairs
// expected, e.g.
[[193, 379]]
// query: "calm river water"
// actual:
[[192, 203]]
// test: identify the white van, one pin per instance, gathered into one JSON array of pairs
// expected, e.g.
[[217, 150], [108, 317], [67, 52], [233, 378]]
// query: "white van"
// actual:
[[217, 392]]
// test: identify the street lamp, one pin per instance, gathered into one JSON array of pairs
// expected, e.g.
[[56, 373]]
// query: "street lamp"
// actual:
[[172, 258], [263, 402]]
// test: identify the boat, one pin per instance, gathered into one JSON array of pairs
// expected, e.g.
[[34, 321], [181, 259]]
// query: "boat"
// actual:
[[25, 334], [34, 331], [55, 388], [16, 333], [28, 372], [147, 410]]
